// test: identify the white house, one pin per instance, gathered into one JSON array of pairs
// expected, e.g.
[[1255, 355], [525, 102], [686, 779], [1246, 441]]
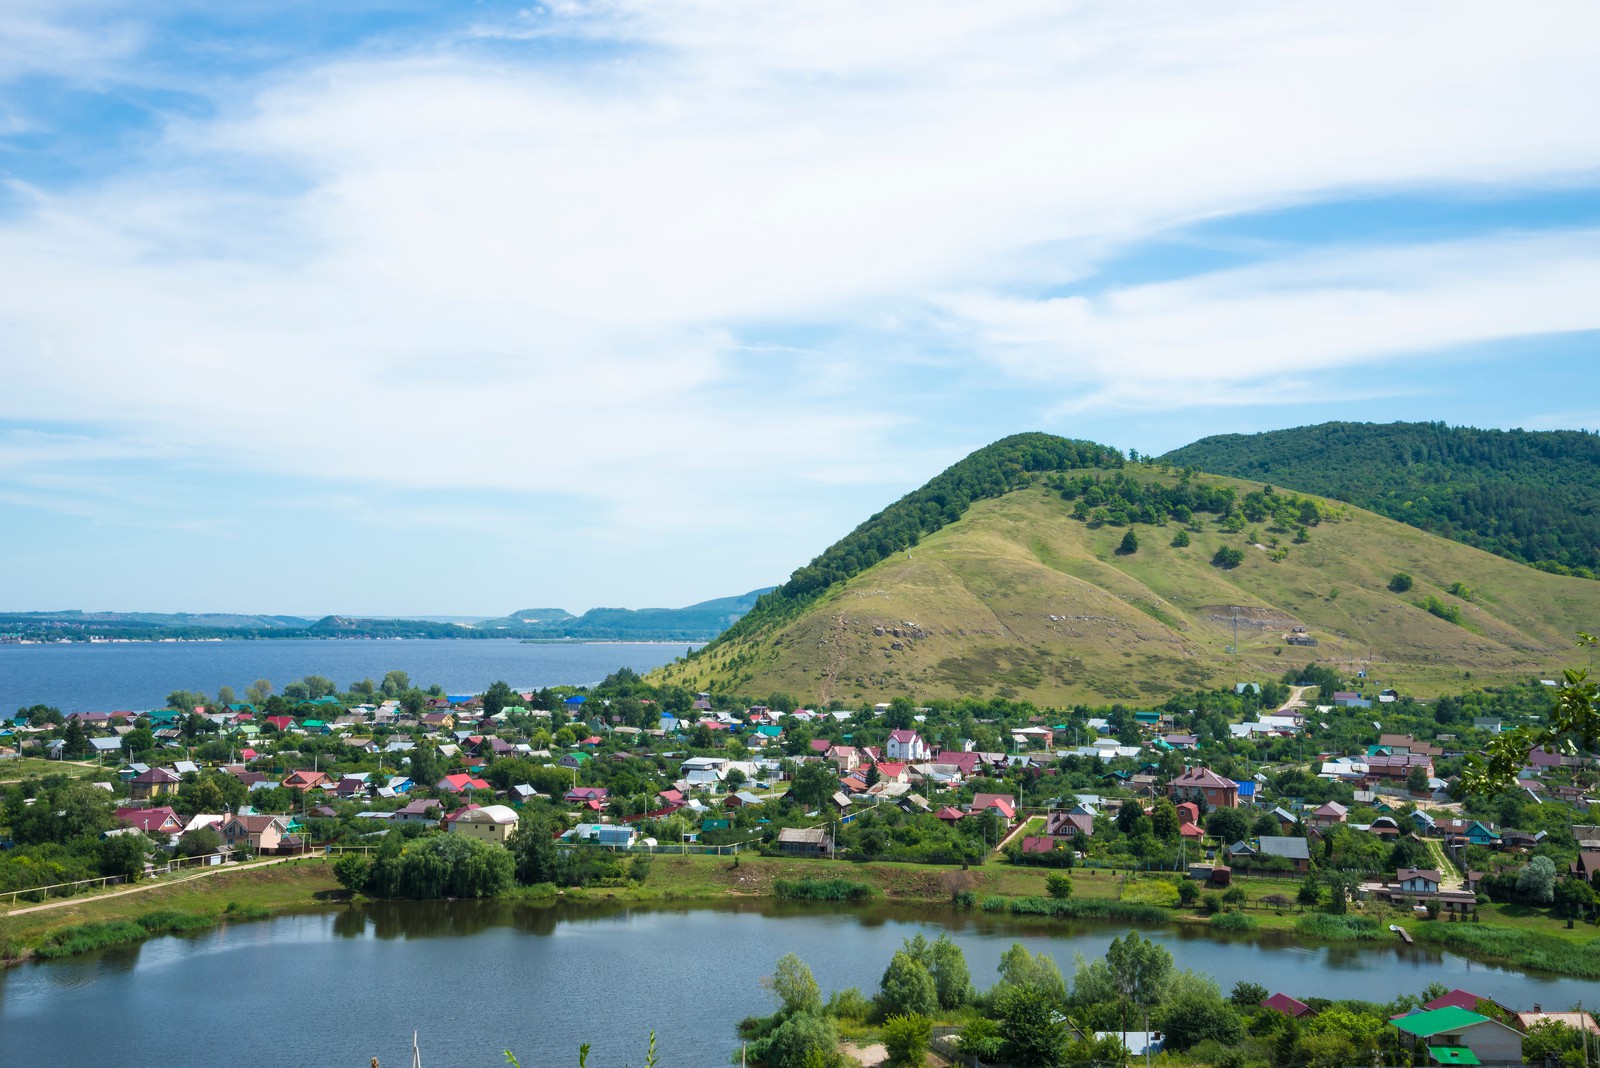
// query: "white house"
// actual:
[[1418, 880], [907, 746]]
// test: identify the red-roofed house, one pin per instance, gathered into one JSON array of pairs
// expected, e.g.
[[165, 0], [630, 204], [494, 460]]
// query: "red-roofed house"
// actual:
[[949, 814], [460, 781], [1457, 999], [150, 820], [1005, 804], [283, 723], [1288, 1006], [592, 796], [303, 780], [820, 746], [1204, 784], [967, 762], [892, 772]]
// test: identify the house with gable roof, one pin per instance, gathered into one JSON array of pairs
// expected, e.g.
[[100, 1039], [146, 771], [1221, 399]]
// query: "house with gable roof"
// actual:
[[1198, 783]]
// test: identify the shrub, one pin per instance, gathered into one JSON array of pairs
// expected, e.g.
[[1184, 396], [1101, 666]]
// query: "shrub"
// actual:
[[1130, 544], [981, 1039], [1058, 885], [1234, 921], [1400, 582], [822, 890], [905, 1038], [963, 899], [907, 987], [1339, 928], [1227, 558], [1158, 892], [848, 1004], [1180, 540], [1433, 606], [1188, 892]]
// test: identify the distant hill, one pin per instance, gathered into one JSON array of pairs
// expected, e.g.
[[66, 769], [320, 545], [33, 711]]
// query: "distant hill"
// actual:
[[1531, 496], [1023, 590], [696, 623]]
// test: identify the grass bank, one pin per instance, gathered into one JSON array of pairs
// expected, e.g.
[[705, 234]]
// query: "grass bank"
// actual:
[[94, 922]]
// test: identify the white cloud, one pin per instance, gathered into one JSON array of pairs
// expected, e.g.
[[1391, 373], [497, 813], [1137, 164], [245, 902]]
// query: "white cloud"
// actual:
[[545, 275], [1256, 334]]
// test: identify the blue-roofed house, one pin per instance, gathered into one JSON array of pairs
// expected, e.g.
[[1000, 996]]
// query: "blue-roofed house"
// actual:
[[1247, 791]]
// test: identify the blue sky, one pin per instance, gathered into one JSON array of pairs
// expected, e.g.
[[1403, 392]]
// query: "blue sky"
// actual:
[[423, 308]]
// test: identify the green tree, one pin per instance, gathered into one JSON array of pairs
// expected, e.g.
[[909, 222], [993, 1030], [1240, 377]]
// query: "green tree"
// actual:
[[1228, 825], [200, 842], [124, 855], [794, 986], [804, 1040], [813, 785], [534, 852], [952, 981], [75, 741], [394, 684], [1572, 727], [1180, 540], [352, 870], [1130, 544], [1248, 995], [499, 696], [1417, 779], [907, 987], [258, 692], [1018, 967], [1164, 821], [1032, 1031], [1536, 882], [1139, 970], [905, 1039], [1200, 1014], [1400, 582], [186, 700], [1228, 557]]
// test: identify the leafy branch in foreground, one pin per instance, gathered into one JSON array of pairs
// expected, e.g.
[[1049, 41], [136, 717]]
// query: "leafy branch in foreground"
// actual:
[[1573, 729]]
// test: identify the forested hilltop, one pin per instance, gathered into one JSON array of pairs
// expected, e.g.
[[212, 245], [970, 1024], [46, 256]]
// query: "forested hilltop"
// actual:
[[1530, 496]]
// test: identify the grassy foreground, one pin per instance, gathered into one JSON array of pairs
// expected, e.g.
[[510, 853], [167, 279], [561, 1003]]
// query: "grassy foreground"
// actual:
[[1507, 935]]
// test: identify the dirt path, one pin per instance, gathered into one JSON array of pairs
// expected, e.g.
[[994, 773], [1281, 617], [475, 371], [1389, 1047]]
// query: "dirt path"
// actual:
[[142, 887], [1449, 876], [1296, 699], [835, 660]]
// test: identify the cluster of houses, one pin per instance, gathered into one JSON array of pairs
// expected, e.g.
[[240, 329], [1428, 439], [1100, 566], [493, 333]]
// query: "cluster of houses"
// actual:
[[906, 770], [1461, 1027]]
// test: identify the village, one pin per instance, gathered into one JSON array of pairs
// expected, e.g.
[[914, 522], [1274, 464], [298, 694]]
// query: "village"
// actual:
[[1237, 805]]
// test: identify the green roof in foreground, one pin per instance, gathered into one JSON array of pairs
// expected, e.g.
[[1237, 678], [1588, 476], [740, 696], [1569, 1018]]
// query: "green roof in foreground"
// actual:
[[1453, 1055], [1437, 1021]]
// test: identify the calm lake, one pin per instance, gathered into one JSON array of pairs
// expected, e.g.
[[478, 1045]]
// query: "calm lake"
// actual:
[[109, 676], [339, 988]]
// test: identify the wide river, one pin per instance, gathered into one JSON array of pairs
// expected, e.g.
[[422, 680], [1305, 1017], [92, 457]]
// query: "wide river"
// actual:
[[110, 676], [339, 988]]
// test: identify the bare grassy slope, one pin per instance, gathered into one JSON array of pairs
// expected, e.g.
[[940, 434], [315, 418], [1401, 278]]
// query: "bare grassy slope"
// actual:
[[1020, 599]]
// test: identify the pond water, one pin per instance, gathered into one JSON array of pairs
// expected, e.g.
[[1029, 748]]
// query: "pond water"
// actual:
[[337, 988]]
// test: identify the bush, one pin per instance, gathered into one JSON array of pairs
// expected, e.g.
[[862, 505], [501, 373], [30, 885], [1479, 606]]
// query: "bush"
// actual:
[[1339, 928], [822, 890], [1130, 544], [963, 899], [1058, 885], [905, 1038], [1188, 892], [848, 1004], [1227, 558], [804, 1040], [1180, 539], [907, 987], [1159, 892], [1075, 909], [1400, 583], [352, 870], [981, 1039], [1234, 921]]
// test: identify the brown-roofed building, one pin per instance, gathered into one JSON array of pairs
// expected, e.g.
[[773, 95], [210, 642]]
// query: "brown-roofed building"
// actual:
[[1196, 784]]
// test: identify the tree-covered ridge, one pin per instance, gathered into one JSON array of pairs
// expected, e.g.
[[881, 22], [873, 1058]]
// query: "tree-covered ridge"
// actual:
[[1530, 496], [992, 471], [1120, 500]]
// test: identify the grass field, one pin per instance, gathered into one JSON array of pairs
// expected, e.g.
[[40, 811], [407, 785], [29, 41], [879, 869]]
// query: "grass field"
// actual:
[[1020, 600], [32, 768]]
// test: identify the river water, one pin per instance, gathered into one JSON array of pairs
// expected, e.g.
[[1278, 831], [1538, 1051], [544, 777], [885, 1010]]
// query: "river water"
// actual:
[[337, 988], [112, 676]]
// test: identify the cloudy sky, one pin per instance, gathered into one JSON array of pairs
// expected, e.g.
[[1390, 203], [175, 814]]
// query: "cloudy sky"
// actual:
[[402, 307]]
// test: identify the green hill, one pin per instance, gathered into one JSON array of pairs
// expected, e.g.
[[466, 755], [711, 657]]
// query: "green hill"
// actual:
[[1532, 496], [1026, 592]]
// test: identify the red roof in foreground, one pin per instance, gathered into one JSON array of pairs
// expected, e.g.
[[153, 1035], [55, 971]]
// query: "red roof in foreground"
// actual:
[[1458, 998], [1287, 1005]]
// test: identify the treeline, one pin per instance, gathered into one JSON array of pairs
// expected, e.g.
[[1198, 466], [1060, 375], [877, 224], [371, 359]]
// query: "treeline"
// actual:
[[992, 471], [1120, 500], [1530, 496]]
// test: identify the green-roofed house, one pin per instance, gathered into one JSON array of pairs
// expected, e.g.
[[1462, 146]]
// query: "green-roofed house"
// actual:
[[1455, 1035]]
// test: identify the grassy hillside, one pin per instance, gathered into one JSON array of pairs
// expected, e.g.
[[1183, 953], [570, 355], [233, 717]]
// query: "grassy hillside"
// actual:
[[1532, 496], [1020, 599]]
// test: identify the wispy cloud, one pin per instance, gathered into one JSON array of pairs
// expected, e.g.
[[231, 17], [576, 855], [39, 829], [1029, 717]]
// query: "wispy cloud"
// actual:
[[589, 250]]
